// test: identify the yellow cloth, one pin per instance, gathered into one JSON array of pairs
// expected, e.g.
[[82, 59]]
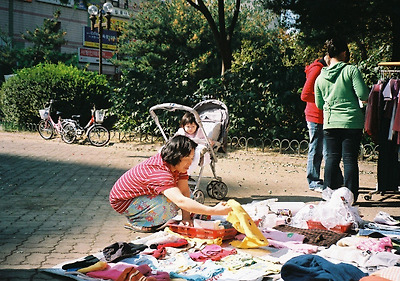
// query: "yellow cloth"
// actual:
[[243, 223], [100, 265]]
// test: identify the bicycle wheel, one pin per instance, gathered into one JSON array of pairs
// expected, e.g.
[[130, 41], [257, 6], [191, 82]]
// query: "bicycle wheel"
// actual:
[[46, 129], [69, 132], [98, 135]]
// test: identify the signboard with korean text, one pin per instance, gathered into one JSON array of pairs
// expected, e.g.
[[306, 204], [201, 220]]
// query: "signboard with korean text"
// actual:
[[91, 38], [69, 3], [92, 55]]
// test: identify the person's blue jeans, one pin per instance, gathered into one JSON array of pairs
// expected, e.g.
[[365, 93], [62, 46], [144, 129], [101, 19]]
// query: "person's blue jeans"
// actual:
[[315, 155], [342, 144]]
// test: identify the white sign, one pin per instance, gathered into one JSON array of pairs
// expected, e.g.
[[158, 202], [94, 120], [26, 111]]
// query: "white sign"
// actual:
[[70, 3]]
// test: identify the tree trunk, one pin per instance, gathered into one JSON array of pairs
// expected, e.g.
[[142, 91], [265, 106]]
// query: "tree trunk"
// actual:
[[222, 37]]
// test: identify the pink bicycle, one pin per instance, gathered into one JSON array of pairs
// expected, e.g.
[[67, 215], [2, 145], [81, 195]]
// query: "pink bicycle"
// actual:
[[47, 127]]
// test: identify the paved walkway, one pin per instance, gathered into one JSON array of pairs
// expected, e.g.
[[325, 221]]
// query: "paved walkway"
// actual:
[[54, 196]]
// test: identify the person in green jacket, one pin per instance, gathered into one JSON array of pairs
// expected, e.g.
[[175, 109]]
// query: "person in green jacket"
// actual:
[[339, 92]]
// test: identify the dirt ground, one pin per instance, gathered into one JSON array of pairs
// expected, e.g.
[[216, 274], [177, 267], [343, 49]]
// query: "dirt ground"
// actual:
[[249, 175]]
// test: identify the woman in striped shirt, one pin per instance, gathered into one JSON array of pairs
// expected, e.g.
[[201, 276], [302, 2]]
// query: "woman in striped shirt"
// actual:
[[151, 193]]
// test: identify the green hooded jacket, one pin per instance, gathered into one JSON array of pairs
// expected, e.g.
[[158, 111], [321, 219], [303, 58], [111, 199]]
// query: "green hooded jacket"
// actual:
[[338, 91]]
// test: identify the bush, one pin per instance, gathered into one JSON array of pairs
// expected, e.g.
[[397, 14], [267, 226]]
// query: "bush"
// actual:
[[74, 90]]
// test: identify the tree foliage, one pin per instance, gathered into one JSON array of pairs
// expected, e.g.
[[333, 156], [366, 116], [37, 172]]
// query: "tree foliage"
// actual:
[[222, 25], [161, 62], [368, 24], [163, 52]]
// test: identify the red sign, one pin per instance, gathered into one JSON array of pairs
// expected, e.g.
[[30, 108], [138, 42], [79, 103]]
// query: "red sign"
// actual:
[[92, 55]]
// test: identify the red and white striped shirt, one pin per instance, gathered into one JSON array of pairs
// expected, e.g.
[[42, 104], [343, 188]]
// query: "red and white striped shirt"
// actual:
[[151, 177]]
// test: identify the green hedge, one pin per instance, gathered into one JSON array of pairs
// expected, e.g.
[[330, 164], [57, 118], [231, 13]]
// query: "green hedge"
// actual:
[[74, 90]]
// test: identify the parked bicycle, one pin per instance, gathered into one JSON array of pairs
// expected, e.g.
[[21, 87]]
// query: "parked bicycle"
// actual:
[[47, 128], [97, 134]]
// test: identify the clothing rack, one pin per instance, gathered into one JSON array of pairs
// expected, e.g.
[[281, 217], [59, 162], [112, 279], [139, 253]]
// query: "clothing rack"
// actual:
[[389, 73], [388, 169]]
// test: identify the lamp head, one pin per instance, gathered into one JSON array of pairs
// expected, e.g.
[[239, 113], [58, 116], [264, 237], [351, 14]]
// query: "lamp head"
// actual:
[[93, 10], [108, 7]]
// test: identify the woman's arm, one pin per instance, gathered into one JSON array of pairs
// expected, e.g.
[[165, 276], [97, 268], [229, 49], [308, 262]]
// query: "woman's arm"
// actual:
[[319, 101], [191, 206], [307, 94]]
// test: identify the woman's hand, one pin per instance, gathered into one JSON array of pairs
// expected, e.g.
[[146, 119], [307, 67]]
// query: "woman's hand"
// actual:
[[222, 208], [186, 222]]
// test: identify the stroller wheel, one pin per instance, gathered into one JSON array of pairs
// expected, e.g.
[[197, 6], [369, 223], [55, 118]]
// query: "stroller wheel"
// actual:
[[198, 196], [210, 188], [217, 189]]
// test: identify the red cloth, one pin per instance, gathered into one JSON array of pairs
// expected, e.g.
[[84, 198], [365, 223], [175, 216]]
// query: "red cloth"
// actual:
[[372, 117], [312, 112], [161, 251]]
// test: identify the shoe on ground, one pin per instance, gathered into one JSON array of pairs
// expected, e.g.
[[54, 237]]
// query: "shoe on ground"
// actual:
[[318, 189], [143, 229]]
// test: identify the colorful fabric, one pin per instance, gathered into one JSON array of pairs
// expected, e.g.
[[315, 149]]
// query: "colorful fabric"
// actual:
[[375, 245], [319, 237], [148, 211], [161, 251], [211, 252], [392, 273], [150, 177], [113, 272]]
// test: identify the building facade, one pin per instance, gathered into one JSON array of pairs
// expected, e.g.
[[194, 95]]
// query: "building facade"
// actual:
[[18, 16]]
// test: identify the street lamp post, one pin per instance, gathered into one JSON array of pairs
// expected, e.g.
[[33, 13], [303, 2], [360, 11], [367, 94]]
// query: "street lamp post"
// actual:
[[104, 12]]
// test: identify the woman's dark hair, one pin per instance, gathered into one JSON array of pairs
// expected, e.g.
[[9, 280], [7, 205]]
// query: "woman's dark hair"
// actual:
[[188, 118], [177, 148], [336, 46]]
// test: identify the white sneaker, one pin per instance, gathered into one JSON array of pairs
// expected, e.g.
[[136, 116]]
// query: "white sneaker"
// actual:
[[318, 189], [385, 218]]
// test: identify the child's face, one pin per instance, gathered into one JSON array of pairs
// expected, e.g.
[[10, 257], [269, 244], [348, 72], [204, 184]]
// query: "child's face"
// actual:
[[190, 128]]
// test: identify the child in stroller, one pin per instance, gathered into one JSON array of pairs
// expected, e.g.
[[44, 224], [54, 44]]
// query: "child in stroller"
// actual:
[[212, 119], [189, 127]]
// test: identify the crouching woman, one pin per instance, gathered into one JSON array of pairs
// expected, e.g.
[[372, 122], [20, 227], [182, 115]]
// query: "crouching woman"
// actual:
[[152, 193]]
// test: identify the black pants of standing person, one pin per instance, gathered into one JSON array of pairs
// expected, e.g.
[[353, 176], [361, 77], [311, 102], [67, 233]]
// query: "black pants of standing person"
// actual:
[[342, 144]]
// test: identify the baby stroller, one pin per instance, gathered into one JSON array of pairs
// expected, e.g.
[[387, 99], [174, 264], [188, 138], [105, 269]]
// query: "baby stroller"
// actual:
[[212, 117]]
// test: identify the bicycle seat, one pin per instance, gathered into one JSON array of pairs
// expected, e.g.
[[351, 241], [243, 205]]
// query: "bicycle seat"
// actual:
[[58, 112], [75, 116]]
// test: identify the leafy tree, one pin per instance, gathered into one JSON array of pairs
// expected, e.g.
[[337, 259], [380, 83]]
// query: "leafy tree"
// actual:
[[7, 55], [368, 24], [162, 53], [161, 63], [223, 33], [46, 43], [261, 88]]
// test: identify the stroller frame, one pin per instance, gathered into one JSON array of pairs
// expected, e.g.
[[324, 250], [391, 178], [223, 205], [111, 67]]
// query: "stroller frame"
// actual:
[[215, 188]]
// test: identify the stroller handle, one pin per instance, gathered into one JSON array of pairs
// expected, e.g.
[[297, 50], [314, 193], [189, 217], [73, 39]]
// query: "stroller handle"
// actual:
[[173, 107]]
